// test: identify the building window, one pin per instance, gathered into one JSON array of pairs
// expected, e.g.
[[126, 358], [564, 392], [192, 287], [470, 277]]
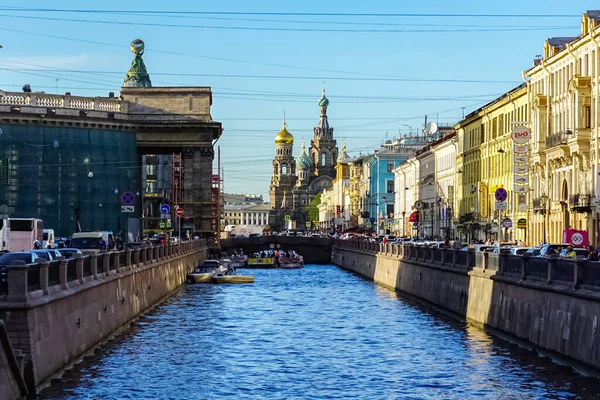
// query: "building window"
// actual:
[[284, 169], [389, 209], [323, 159], [390, 186], [390, 166]]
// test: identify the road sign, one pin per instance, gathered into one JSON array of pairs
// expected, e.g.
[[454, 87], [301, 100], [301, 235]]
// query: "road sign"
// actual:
[[127, 209], [521, 179], [501, 195], [180, 212], [368, 224], [287, 217], [521, 134], [520, 169], [501, 205], [168, 223], [577, 239], [128, 199], [165, 208], [520, 149], [308, 224], [519, 159], [161, 225], [507, 223], [521, 189]]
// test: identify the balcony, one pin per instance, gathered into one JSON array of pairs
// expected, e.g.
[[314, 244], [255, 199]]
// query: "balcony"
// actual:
[[581, 203], [558, 139]]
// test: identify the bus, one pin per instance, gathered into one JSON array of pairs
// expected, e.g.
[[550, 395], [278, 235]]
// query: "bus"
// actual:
[[22, 232]]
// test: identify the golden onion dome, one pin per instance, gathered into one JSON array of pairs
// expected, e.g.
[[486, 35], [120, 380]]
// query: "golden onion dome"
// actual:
[[284, 137]]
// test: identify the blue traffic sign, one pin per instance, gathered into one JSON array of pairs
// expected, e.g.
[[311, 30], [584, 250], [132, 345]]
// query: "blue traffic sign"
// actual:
[[165, 208], [128, 198], [501, 195], [507, 223]]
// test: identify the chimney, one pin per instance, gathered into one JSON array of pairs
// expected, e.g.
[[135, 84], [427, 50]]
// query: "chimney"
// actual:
[[537, 60]]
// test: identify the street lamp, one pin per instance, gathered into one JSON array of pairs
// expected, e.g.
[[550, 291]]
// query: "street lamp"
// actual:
[[543, 203]]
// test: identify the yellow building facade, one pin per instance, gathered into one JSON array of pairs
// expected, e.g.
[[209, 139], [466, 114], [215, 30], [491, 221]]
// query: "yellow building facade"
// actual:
[[563, 89], [485, 163]]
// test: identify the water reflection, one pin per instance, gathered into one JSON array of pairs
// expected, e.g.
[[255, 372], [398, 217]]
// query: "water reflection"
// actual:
[[317, 332]]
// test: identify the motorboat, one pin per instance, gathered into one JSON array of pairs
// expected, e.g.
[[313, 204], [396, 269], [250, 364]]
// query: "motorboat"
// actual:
[[233, 278], [205, 271], [239, 261], [264, 259], [291, 262]]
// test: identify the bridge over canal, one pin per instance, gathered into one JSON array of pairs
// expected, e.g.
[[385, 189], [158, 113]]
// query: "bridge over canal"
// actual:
[[314, 250]]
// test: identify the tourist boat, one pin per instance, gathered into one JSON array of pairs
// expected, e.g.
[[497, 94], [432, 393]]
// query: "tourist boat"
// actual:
[[239, 261], [262, 262], [291, 262], [204, 272]]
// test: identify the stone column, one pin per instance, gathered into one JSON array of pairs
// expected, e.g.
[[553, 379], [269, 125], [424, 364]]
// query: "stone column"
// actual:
[[79, 267], [94, 265], [17, 281], [129, 259], [115, 256], [551, 270], [106, 264], [62, 273], [44, 275]]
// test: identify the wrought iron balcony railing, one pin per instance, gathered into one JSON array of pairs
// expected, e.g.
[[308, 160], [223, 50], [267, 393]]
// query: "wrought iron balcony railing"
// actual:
[[580, 202], [558, 139]]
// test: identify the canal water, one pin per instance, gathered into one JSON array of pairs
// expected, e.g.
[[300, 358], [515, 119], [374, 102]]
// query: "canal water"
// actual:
[[314, 333]]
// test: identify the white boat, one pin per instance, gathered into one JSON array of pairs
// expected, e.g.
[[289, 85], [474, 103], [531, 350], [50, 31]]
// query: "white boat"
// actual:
[[204, 272], [233, 278], [239, 261], [291, 262]]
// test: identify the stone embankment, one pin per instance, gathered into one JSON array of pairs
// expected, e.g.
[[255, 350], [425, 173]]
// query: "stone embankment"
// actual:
[[56, 311], [554, 304]]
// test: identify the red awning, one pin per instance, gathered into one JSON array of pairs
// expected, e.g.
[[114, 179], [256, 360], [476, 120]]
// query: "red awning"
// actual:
[[413, 217]]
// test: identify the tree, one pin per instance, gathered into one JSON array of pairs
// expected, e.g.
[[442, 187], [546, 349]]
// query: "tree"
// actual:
[[313, 210]]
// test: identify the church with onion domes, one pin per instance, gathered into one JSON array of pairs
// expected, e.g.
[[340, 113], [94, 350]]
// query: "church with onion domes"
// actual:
[[295, 183]]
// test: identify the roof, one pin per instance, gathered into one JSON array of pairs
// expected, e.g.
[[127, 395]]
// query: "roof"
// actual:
[[594, 15], [284, 136], [561, 42], [258, 207]]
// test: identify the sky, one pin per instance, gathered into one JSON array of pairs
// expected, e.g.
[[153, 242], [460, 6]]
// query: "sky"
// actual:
[[383, 73]]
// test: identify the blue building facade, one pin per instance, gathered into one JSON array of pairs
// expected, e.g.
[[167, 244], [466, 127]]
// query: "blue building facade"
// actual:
[[382, 191]]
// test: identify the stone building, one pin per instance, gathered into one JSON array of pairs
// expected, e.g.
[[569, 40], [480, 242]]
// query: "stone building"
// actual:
[[291, 192], [69, 159]]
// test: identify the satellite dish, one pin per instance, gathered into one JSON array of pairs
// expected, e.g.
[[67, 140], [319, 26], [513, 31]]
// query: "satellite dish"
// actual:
[[432, 127]]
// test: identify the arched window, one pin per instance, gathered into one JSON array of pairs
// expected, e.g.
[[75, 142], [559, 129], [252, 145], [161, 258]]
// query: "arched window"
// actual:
[[323, 159], [284, 169]]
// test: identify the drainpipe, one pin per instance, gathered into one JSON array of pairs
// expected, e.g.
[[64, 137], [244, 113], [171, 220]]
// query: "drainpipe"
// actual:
[[548, 110], [595, 125]]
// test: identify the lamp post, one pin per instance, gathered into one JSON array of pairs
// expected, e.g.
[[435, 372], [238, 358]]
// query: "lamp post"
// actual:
[[543, 203]]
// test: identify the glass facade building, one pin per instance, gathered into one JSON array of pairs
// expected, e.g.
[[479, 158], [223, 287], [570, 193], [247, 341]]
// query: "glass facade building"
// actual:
[[70, 177]]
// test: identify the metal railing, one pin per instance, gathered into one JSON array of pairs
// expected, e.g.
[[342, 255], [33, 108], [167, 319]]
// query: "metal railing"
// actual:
[[68, 272], [559, 271], [558, 139], [580, 201]]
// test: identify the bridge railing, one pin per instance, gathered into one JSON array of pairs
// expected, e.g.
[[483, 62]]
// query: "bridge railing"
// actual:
[[23, 281], [559, 271]]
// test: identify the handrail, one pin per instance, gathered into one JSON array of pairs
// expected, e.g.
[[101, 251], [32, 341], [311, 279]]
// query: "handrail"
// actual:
[[12, 359]]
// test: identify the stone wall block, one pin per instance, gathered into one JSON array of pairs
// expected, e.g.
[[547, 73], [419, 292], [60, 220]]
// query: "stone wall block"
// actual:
[[17, 281], [79, 267], [44, 275]]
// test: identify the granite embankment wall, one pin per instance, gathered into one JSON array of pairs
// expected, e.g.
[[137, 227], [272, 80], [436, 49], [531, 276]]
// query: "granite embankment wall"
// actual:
[[552, 304], [56, 311]]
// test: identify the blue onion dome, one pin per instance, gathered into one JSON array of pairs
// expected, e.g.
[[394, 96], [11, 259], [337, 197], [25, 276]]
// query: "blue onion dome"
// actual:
[[323, 101], [304, 160]]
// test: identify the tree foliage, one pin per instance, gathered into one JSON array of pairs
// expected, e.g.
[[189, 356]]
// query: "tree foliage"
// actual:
[[312, 210]]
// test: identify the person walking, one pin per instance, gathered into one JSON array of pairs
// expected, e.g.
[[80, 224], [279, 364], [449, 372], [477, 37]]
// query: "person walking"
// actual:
[[37, 245], [592, 253], [103, 243]]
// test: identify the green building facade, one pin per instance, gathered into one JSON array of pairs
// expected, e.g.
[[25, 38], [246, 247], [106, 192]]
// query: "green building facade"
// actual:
[[70, 177]]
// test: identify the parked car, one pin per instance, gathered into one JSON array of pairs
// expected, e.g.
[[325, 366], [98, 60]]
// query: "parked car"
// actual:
[[552, 250], [26, 256], [580, 253], [48, 254], [533, 251], [69, 253], [252, 235]]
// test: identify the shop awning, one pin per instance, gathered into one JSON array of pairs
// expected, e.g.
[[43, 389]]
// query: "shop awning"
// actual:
[[413, 217]]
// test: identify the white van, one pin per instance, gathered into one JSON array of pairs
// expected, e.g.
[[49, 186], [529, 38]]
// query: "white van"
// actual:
[[22, 232], [48, 239], [89, 242]]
